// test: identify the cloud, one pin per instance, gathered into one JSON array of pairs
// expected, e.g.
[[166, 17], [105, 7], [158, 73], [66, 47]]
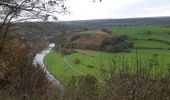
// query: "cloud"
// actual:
[[87, 9]]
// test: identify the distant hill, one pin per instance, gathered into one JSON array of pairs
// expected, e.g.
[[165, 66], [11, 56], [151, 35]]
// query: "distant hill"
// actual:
[[115, 22], [37, 29], [53, 27]]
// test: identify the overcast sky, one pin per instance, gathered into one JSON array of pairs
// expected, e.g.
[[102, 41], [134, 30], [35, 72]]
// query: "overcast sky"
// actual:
[[87, 9]]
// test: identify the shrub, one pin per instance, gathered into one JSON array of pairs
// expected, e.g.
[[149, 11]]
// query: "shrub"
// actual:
[[149, 32], [107, 31], [77, 61], [117, 44], [84, 83], [19, 79], [168, 32]]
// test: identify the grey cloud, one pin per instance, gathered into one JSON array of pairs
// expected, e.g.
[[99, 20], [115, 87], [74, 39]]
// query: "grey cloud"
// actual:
[[134, 8]]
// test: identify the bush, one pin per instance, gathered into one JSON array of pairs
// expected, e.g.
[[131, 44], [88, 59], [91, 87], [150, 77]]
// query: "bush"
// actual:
[[149, 32], [84, 83], [168, 33], [19, 79], [117, 44], [107, 31], [77, 61]]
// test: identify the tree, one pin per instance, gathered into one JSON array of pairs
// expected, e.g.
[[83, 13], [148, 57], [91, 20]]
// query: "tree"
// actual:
[[149, 32], [87, 83], [13, 11], [116, 44]]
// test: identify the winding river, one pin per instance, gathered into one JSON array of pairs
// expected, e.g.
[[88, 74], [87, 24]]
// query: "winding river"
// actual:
[[38, 59]]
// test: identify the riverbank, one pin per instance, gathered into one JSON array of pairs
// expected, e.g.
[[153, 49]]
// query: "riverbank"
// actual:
[[38, 60]]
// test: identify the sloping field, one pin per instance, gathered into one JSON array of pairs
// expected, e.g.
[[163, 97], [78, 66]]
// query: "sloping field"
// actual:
[[92, 64], [58, 67], [148, 36], [150, 44], [143, 31]]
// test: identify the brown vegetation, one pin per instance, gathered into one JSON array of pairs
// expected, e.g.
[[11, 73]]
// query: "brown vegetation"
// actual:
[[89, 40], [86, 40], [19, 79], [77, 61]]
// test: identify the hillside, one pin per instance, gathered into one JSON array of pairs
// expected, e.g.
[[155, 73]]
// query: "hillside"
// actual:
[[53, 27], [115, 22]]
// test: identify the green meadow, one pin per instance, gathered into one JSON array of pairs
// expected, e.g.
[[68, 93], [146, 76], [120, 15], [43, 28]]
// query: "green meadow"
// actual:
[[91, 62], [145, 36], [58, 66], [150, 44], [143, 31]]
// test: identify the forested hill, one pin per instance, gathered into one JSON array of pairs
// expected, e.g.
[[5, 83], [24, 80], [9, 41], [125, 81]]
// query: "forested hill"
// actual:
[[112, 22], [33, 29], [53, 27]]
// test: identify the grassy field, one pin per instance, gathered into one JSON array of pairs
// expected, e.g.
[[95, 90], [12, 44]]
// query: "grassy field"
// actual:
[[142, 31], [145, 32], [91, 62], [58, 66], [150, 44]]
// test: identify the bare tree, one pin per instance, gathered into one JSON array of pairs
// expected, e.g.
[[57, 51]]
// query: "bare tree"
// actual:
[[13, 11]]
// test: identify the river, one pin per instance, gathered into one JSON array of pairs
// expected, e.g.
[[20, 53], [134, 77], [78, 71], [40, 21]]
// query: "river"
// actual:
[[38, 59]]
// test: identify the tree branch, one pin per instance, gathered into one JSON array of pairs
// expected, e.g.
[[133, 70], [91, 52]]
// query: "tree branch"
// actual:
[[14, 6]]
